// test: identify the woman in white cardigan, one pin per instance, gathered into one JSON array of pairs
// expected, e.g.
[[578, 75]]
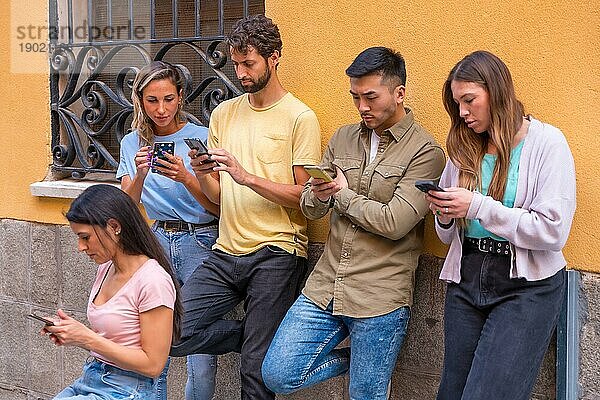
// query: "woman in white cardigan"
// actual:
[[506, 212]]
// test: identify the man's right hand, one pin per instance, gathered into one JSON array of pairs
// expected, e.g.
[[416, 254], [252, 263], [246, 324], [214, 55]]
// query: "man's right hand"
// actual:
[[199, 165]]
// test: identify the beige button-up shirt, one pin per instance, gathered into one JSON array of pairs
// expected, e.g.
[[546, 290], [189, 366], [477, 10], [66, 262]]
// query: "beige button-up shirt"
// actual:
[[376, 225]]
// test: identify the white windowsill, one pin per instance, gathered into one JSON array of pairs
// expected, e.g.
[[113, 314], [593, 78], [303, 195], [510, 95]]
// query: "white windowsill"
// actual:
[[64, 188]]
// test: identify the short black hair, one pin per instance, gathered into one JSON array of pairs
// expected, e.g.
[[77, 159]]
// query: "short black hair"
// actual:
[[379, 61]]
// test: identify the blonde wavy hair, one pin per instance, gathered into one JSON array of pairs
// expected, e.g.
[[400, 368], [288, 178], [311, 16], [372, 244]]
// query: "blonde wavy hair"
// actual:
[[467, 148], [156, 70]]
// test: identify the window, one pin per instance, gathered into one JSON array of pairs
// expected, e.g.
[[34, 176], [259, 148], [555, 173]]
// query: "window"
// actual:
[[97, 48]]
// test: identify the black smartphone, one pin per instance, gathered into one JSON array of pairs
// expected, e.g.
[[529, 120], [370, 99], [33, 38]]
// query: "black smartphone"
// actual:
[[427, 185], [157, 153], [46, 321], [197, 144]]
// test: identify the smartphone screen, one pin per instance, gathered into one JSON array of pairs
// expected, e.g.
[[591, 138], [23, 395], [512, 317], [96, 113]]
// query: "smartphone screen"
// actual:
[[196, 144], [317, 172], [46, 321], [427, 185], [159, 148]]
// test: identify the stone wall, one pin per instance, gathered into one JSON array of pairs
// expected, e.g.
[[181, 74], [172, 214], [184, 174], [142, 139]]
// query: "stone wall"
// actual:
[[589, 345], [41, 270]]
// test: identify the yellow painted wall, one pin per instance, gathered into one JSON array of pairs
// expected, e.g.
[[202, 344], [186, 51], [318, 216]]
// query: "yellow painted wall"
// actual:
[[550, 47], [25, 120]]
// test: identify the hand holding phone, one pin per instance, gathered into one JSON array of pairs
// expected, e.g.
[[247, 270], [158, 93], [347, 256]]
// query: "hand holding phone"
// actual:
[[318, 172], [427, 185], [46, 321], [157, 154], [201, 149]]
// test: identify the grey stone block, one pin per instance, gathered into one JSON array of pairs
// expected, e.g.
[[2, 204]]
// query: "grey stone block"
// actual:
[[545, 385], [413, 385], [9, 392], [15, 250], [45, 366], [78, 271], [333, 389], [589, 356], [423, 348], [14, 344], [228, 377], [45, 277], [47, 257], [34, 396], [176, 378]]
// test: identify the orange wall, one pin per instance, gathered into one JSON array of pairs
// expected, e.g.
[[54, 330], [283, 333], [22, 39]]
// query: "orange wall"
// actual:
[[551, 49], [25, 122]]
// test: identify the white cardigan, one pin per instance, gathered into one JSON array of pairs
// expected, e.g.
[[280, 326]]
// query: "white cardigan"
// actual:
[[538, 225]]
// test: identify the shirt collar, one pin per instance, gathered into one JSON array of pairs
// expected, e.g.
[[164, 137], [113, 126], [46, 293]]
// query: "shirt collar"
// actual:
[[399, 129]]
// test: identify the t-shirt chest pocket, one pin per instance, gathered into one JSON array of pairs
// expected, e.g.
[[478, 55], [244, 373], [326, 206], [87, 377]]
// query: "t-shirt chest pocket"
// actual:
[[384, 182], [271, 148]]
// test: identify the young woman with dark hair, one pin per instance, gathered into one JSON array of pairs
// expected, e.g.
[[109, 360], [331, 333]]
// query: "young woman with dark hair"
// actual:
[[134, 308], [506, 213]]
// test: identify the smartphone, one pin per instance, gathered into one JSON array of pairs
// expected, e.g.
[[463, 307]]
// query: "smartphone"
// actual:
[[197, 144], [318, 172], [46, 321], [427, 185], [157, 153]]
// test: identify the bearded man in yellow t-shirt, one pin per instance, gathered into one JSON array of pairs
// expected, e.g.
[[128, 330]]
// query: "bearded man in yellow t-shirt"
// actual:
[[259, 143]]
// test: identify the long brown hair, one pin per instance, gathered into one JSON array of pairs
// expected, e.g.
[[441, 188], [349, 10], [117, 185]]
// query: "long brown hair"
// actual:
[[98, 204], [467, 148], [156, 70]]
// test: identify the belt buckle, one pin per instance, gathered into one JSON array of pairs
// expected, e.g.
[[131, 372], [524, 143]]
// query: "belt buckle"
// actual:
[[170, 228], [483, 250]]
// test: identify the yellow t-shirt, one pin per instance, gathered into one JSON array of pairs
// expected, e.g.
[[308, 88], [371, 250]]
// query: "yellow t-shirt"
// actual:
[[267, 142]]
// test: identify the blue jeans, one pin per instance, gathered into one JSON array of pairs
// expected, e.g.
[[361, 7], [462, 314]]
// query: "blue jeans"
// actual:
[[187, 251], [101, 381], [268, 281], [303, 351], [496, 329]]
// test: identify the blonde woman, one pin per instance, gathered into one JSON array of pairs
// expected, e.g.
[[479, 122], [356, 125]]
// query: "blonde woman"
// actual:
[[185, 220], [506, 212]]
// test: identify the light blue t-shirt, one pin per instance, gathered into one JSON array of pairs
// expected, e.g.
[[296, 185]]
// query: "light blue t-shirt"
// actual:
[[474, 228], [162, 197]]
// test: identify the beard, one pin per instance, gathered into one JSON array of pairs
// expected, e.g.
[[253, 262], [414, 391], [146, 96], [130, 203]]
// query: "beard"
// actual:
[[260, 83]]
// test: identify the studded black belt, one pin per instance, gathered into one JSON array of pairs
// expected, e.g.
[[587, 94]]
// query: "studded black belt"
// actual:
[[181, 226], [488, 245]]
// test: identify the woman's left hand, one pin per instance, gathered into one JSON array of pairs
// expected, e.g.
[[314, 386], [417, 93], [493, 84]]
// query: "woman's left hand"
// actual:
[[68, 331], [174, 168], [453, 202]]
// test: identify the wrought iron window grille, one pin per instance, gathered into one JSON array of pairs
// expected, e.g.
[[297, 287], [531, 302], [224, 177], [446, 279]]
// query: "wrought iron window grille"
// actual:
[[98, 46]]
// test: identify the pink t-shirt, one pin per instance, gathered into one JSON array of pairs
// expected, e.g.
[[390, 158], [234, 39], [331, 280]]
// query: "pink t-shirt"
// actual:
[[119, 318]]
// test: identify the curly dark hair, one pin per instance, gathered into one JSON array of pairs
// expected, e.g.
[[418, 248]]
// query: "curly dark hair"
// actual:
[[257, 31]]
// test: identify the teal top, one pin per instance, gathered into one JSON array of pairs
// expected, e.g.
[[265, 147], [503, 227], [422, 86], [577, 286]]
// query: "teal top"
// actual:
[[474, 228]]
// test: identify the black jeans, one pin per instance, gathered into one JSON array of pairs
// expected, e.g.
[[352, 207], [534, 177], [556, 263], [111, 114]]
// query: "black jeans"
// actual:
[[268, 281], [496, 330]]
